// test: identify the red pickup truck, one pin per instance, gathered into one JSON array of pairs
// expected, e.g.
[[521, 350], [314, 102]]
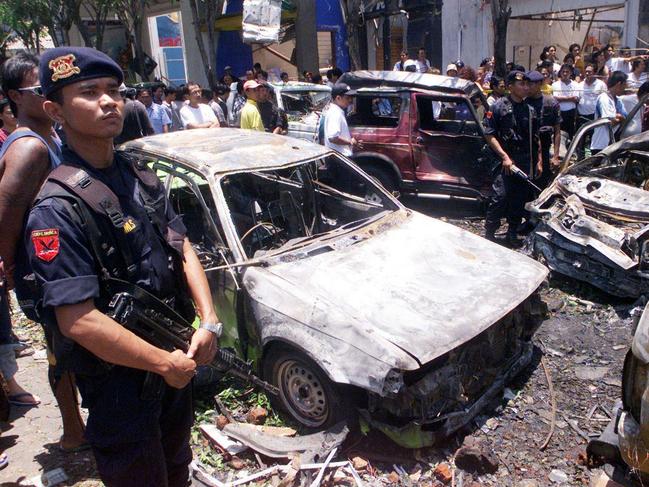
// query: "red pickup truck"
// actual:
[[421, 133]]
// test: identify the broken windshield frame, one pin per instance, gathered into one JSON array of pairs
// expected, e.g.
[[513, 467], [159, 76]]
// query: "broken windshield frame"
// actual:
[[302, 103], [277, 210]]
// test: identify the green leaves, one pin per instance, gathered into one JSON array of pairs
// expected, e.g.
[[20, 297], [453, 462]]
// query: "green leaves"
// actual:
[[26, 19]]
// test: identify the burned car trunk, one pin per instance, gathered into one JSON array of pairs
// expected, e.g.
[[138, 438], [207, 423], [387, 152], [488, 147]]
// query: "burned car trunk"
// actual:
[[593, 220], [342, 297]]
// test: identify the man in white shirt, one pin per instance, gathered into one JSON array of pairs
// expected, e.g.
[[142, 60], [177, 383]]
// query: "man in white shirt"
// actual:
[[197, 115], [616, 63], [336, 130], [590, 89], [566, 91], [400, 65], [609, 106], [423, 64]]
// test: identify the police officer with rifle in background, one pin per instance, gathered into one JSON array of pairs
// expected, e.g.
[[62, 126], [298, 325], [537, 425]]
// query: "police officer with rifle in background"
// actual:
[[511, 130], [102, 222]]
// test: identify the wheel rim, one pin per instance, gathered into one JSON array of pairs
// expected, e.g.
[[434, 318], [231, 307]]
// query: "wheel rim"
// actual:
[[303, 393]]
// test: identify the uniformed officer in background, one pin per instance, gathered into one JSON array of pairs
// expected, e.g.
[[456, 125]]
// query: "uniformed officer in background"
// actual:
[[511, 129], [548, 113], [139, 435]]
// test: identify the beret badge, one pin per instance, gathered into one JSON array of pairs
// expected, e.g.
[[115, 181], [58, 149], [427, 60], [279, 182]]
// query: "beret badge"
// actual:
[[63, 67]]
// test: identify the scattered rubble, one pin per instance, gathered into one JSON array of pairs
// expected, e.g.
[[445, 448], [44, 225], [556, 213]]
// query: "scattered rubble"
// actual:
[[443, 473], [586, 329], [558, 476], [476, 457]]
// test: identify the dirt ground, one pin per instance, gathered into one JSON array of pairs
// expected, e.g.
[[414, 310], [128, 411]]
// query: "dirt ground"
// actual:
[[581, 347]]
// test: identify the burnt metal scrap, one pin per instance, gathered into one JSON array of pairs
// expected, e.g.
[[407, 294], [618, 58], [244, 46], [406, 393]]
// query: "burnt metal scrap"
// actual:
[[593, 220]]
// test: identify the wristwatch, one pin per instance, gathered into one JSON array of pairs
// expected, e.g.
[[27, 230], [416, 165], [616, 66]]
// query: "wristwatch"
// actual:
[[216, 328]]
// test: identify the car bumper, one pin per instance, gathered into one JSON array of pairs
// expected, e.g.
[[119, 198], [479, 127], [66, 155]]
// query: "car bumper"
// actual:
[[424, 433]]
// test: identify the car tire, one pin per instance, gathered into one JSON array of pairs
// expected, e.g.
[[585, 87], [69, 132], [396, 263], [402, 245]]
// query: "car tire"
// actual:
[[307, 395], [382, 176]]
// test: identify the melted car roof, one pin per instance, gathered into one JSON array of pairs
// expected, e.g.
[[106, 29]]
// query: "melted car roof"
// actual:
[[220, 150]]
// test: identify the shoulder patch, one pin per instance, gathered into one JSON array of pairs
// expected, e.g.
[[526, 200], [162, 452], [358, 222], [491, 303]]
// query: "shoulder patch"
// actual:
[[46, 243]]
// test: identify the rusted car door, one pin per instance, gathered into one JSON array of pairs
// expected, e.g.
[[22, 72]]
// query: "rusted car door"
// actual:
[[448, 144], [191, 198], [379, 120]]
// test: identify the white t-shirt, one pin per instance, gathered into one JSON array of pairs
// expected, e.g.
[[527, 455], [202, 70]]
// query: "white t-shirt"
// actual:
[[336, 125], [201, 114], [422, 67], [634, 126], [606, 109], [633, 82], [559, 88], [588, 94], [617, 64]]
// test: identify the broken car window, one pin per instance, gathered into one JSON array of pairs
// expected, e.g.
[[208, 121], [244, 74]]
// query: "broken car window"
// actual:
[[301, 103], [191, 199], [375, 111], [276, 209], [445, 115]]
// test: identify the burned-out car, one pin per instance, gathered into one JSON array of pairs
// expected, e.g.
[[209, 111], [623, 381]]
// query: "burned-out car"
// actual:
[[624, 444], [593, 220], [302, 103], [342, 297]]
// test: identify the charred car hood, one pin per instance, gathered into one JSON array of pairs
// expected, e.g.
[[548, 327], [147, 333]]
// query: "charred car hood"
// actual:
[[420, 284]]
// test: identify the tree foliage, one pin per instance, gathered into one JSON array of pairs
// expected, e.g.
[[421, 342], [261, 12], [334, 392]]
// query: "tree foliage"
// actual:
[[204, 14], [131, 14], [27, 19]]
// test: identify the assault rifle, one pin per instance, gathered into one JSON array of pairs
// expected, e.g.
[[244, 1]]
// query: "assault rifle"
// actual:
[[519, 173], [152, 320]]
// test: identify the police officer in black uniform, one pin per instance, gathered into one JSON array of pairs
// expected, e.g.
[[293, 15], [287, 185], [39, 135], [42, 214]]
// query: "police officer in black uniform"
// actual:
[[548, 113], [511, 129], [101, 216]]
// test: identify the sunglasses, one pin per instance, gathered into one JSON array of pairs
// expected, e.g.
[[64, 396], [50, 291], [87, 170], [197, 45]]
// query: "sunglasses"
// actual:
[[34, 90]]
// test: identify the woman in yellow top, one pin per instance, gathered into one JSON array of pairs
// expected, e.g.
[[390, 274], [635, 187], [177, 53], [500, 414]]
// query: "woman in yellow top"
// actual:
[[546, 86]]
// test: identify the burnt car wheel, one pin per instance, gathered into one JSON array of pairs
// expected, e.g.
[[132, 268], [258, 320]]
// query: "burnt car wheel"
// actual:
[[306, 393]]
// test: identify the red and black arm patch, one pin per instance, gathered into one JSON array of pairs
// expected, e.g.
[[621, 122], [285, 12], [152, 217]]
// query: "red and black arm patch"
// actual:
[[46, 243]]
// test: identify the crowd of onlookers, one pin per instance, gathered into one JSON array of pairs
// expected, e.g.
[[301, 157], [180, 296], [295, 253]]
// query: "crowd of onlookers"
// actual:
[[577, 82]]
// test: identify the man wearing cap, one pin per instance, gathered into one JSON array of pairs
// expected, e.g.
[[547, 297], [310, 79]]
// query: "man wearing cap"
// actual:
[[548, 113], [511, 129], [90, 224], [250, 116], [451, 70], [336, 130]]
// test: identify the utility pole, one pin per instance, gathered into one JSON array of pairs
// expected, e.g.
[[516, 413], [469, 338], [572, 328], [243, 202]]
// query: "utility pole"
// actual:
[[500, 14], [306, 37], [387, 35], [643, 24]]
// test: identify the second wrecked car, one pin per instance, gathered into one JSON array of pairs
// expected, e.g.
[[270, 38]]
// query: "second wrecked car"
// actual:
[[593, 220], [343, 298]]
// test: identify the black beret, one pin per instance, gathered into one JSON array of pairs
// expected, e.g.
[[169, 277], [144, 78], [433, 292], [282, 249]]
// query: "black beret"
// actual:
[[534, 76], [514, 76], [340, 89], [62, 66]]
